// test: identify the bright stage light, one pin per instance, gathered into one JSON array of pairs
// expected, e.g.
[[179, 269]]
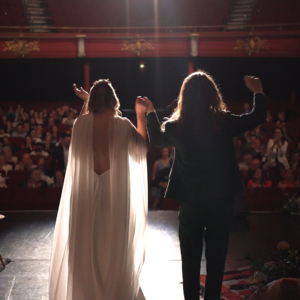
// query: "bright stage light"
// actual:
[[142, 66]]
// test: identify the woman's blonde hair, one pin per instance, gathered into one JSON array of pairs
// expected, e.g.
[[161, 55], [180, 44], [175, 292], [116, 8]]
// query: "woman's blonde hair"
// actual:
[[199, 97], [103, 97]]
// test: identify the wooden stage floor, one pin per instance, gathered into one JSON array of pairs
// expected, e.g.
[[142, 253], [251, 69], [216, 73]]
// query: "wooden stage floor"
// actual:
[[26, 237]]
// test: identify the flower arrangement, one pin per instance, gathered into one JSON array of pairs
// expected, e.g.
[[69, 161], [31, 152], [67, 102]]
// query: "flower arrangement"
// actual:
[[286, 263], [292, 206]]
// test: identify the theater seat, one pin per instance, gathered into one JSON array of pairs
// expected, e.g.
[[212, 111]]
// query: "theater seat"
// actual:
[[266, 199], [5, 198], [16, 178], [51, 197], [291, 191], [27, 198]]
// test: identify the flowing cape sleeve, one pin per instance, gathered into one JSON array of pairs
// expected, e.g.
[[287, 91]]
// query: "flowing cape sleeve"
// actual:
[[98, 245]]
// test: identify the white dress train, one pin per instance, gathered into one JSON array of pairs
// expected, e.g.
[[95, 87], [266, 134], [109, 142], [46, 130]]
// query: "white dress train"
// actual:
[[99, 239]]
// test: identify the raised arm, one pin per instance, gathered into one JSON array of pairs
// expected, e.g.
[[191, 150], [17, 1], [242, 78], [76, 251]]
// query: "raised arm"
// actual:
[[241, 123], [140, 109], [84, 96], [158, 137]]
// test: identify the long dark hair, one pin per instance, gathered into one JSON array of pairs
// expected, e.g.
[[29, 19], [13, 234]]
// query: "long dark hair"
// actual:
[[199, 97], [103, 97]]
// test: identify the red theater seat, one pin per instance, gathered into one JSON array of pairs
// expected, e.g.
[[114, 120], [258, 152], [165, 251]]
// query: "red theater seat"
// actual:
[[51, 197], [17, 141], [27, 198], [5, 198], [266, 199]]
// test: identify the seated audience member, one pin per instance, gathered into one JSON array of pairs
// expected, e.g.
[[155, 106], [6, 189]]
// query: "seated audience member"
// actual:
[[297, 179], [287, 180], [246, 108], [60, 153], [276, 151], [3, 133], [26, 127], [55, 135], [295, 161], [259, 179], [48, 145], [51, 122], [39, 132], [34, 137], [246, 163], [32, 123], [3, 122], [3, 165], [46, 174], [35, 180], [257, 132], [58, 179], [69, 120], [25, 163], [269, 117], [38, 118], [28, 145], [247, 175], [9, 158], [45, 112], [19, 132], [281, 116], [159, 165], [39, 150]]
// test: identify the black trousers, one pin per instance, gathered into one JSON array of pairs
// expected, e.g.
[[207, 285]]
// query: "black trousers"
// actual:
[[210, 218]]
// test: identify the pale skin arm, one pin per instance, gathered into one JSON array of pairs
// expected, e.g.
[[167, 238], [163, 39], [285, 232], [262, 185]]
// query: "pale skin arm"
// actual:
[[141, 108], [84, 96]]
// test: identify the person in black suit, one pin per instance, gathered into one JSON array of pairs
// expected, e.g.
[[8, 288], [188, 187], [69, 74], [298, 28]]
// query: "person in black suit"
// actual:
[[205, 174], [60, 154]]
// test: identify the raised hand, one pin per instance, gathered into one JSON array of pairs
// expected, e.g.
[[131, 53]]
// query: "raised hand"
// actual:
[[81, 93], [253, 84], [150, 106], [140, 105]]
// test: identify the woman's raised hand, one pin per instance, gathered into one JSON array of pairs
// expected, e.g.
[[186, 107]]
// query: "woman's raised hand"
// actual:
[[253, 84], [81, 93], [140, 105]]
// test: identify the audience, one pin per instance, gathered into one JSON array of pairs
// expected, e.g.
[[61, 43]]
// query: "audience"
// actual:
[[263, 160], [9, 158], [259, 179], [58, 179], [60, 153], [276, 151], [35, 180], [246, 163], [3, 165], [25, 163], [287, 180]]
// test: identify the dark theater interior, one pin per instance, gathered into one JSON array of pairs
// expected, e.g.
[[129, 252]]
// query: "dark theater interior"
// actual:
[[148, 48]]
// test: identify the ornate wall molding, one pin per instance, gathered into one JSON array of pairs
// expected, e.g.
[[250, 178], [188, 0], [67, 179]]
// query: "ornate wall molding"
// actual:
[[137, 46], [21, 47], [251, 45]]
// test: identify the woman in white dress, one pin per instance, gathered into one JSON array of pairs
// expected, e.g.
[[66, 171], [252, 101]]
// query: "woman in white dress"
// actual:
[[99, 238]]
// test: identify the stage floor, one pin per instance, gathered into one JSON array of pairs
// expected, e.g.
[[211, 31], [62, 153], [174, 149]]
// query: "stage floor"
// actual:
[[25, 237]]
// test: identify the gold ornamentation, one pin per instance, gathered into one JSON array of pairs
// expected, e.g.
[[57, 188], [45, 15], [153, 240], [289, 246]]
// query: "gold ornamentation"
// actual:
[[137, 46], [251, 45], [21, 47]]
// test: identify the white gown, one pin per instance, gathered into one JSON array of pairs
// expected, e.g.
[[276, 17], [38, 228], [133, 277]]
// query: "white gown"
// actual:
[[99, 239]]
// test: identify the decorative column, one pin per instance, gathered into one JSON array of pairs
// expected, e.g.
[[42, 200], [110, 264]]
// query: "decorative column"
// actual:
[[194, 44], [81, 45], [87, 80]]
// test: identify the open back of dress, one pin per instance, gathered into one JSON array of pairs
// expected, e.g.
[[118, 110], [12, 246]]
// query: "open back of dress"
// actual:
[[99, 238]]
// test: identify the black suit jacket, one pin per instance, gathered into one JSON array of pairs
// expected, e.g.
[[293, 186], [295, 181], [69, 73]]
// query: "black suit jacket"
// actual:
[[205, 161]]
